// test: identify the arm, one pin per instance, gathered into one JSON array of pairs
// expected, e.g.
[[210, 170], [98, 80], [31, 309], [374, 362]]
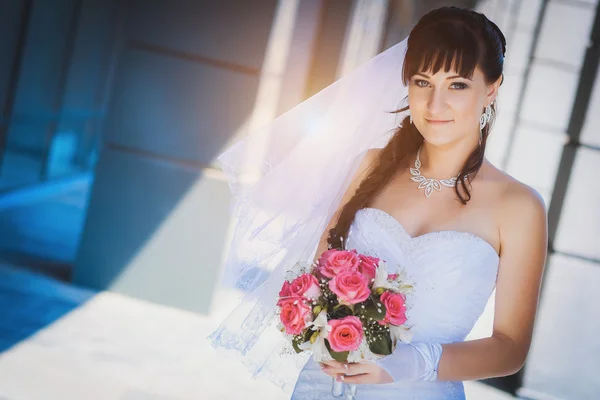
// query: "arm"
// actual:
[[523, 238], [524, 243]]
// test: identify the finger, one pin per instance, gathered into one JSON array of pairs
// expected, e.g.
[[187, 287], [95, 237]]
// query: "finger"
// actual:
[[353, 369], [331, 374], [339, 368], [334, 364], [359, 379], [327, 370], [342, 371], [358, 369], [326, 365]]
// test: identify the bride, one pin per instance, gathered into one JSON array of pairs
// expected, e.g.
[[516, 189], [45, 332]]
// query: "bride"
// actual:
[[424, 197]]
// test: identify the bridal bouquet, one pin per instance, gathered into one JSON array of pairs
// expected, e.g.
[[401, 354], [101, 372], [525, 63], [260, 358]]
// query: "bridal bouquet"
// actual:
[[345, 307]]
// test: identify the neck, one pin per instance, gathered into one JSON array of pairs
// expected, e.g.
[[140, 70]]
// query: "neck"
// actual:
[[444, 162]]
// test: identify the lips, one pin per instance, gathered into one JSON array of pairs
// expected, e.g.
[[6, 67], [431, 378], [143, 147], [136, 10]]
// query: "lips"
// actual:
[[438, 121]]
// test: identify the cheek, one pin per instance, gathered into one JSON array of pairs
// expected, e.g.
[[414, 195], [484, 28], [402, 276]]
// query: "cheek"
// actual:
[[417, 100], [466, 109]]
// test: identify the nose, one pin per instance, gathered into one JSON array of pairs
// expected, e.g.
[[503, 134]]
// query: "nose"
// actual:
[[436, 102]]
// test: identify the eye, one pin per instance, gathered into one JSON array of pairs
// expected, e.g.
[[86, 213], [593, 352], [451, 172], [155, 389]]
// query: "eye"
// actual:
[[459, 86], [420, 83]]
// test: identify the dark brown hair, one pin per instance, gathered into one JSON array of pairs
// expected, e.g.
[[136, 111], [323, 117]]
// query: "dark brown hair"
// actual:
[[453, 39]]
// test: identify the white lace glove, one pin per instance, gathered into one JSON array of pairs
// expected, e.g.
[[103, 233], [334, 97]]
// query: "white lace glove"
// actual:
[[413, 361]]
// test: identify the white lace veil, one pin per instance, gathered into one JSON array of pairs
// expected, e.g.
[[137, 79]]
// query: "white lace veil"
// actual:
[[313, 151]]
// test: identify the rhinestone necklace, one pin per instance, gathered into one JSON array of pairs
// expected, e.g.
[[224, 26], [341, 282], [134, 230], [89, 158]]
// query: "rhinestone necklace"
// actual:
[[429, 184]]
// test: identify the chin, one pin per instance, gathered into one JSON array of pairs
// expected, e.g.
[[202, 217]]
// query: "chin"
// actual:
[[438, 139]]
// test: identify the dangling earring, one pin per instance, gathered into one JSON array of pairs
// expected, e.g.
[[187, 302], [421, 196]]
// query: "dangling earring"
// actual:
[[410, 116], [484, 120]]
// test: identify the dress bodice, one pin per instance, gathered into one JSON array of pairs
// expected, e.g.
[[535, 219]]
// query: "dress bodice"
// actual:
[[453, 274]]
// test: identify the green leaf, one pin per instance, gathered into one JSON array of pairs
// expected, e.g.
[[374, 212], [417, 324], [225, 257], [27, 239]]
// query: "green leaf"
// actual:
[[340, 311], [307, 334], [381, 345], [301, 338], [373, 310], [337, 356], [296, 343], [341, 357]]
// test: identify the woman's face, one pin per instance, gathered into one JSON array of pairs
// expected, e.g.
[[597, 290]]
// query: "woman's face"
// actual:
[[446, 107]]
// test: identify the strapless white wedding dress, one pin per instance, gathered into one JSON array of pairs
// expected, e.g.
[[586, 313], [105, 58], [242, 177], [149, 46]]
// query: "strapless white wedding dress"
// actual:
[[454, 274]]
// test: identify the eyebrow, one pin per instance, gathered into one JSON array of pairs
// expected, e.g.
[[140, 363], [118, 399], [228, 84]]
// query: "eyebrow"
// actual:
[[450, 77]]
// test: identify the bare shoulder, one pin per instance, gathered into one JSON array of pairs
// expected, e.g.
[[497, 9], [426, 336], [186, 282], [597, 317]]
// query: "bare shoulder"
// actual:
[[521, 209], [519, 199], [523, 233], [513, 194]]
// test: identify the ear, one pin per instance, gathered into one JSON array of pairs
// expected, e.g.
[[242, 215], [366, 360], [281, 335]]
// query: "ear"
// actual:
[[492, 92]]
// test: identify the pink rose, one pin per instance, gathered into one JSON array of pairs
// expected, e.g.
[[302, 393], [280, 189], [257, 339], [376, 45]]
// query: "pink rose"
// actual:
[[306, 285], [294, 315], [368, 266], [332, 262], [346, 334], [284, 293], [351, 287], [395, 308]]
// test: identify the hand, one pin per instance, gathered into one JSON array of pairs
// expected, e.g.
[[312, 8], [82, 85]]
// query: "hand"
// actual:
[[355, 373]]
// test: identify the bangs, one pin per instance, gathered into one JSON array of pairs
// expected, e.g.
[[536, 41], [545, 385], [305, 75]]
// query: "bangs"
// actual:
[[445, 45]]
